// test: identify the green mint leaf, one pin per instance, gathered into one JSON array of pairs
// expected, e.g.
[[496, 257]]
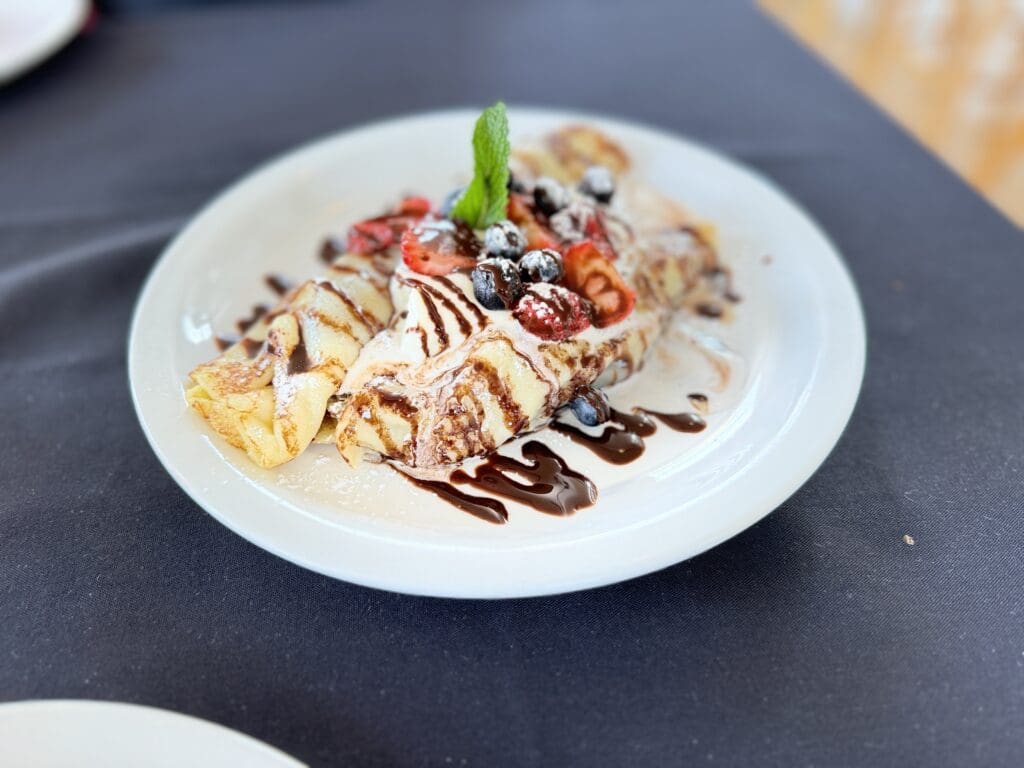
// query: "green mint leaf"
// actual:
[[486, 198]]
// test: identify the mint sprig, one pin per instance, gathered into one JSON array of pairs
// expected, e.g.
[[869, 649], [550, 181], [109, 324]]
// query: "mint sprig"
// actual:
[[486, 198]]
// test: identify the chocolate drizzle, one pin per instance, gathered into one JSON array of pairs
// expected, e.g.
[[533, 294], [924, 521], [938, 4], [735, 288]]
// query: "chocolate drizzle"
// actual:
[[463, 238], [251, 347], [398, 404], [258, 311], [723, 275], [491, 510], [298, 360], [279, 284], [481, 318], [330, 249], [542, 480], [710, 309], [424, 345], [621, 441], [552, 487], [435, 318], [721, 280], [368, 321], [448, 237], [547, 484], [432, 294], [511, 410], [615, 444], [680, 422], [638, 422], [223, 341]]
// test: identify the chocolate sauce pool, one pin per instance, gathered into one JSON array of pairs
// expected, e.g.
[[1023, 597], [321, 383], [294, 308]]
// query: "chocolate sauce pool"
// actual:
[[549, 485], [622, 439], [491, 510], [552, 487], [615, 444], [543, 480], [680, 422]]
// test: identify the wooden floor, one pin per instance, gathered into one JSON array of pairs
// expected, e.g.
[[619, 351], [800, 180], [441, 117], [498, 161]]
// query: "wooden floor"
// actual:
[[951, 71]]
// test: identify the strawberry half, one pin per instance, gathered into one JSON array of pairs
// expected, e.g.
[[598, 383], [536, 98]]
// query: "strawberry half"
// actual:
[[440, 246], [370, 236], [537, 235], [593, 276], [380, 233], [597, 233], [414, 206]]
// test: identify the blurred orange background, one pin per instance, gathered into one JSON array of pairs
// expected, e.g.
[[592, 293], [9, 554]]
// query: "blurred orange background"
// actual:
[[951, 71]]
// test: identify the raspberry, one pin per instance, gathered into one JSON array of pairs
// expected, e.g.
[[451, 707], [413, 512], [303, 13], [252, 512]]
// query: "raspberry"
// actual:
[[552, 312]]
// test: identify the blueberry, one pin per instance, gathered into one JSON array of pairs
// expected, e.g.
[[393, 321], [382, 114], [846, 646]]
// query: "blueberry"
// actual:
[[496, 284], [598, 183], [549, 196], [450, 200], [504, 240], [591, 407], [541, 266], [515, 184]]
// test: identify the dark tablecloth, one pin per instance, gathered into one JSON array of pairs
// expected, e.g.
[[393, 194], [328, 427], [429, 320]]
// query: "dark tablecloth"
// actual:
[[817, 637]]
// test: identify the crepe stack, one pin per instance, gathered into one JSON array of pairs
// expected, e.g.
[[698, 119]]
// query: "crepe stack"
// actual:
[[400, 366]]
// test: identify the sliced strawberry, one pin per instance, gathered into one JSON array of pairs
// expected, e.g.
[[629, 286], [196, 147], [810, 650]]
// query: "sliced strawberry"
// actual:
[[552, 312], [440, 246], [537, 235], [370, 236], [414, 206], [595, 230], [381, 232], [594, 277]]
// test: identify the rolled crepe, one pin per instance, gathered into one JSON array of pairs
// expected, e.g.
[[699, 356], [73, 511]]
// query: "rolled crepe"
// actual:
[[267, 394], [493, 384]]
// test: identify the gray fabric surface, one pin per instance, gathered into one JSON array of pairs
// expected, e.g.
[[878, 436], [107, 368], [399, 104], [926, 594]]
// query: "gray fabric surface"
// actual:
[[817, 637]]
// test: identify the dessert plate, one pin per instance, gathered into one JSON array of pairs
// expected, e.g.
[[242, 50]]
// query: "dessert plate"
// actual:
[[70, 733], [796, 348], [31, 32]]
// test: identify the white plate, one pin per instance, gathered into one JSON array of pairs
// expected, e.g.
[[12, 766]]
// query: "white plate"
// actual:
[[71, 734], [799, 331], [33, 30]]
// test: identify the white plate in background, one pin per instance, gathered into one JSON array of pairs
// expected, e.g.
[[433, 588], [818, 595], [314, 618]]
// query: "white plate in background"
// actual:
[[62, 733], [799, 330], [31, 31]]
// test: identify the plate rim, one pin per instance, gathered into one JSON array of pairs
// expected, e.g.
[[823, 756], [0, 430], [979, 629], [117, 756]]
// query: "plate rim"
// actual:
[[116, 708], [842, 401], [75, 15]]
